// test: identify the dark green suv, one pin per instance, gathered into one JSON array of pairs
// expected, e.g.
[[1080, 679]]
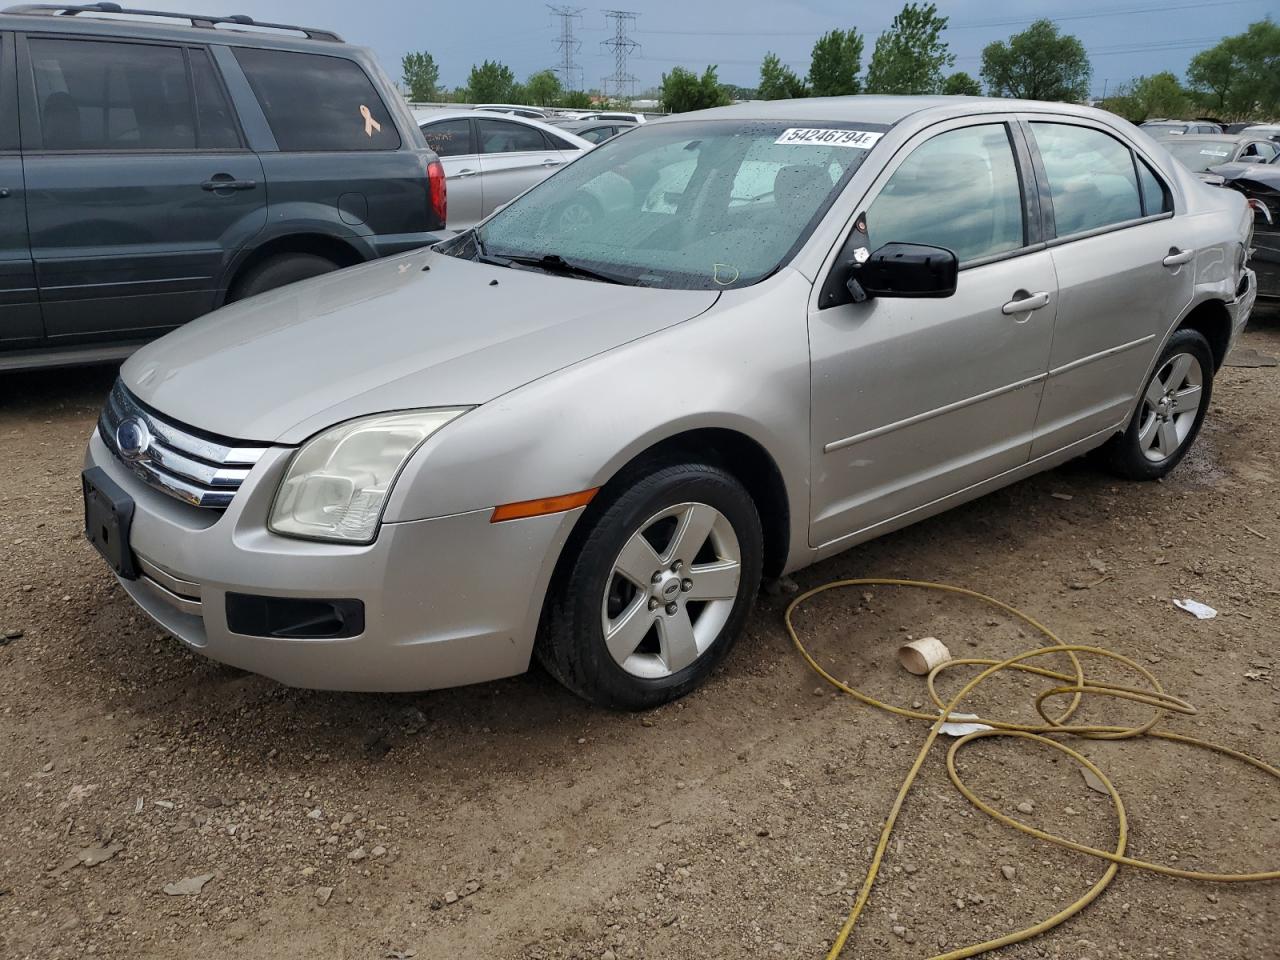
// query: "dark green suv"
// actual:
[[152, 171]]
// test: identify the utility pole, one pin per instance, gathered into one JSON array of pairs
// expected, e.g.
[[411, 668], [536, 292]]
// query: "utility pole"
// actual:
[[623, 83], [567, 46]]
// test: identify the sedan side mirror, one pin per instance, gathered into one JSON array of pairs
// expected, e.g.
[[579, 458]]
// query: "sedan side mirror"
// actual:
[[908, 270]]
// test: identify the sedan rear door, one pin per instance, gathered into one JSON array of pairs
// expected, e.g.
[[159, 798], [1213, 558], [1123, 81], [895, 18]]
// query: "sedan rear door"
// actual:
[[1125, 266], [513, 157]]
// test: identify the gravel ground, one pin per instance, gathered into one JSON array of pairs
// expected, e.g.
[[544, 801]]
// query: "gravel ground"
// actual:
[[509, 820]]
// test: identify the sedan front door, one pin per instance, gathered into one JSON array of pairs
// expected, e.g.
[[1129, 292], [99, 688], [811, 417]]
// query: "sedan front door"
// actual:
[[513, 157], [454, 142], [917, 400]]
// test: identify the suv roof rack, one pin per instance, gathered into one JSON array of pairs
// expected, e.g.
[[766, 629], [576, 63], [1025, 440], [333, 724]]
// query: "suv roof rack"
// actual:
[[195, 19]]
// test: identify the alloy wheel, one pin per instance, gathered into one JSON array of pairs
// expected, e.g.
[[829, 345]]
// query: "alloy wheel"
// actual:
[[671, 590], [1170, 406]]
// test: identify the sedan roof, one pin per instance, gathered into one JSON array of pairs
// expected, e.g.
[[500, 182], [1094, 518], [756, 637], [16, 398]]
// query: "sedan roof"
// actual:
[[878, 109], [432, 114]]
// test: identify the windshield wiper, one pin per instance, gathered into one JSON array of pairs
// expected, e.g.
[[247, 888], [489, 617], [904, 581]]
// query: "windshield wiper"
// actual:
[[554, 263]]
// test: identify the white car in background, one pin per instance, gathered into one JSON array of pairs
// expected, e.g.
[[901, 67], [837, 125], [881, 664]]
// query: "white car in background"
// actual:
[[491, 158]]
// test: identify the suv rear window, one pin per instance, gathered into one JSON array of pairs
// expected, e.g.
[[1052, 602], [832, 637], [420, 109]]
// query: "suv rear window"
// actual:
[[318, 103], [99, 95]]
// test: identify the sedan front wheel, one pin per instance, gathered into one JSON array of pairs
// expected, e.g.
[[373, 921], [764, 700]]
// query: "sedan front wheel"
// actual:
[[658, 589]]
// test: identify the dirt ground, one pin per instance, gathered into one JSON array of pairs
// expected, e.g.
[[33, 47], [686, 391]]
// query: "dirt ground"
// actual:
[[510, 821]]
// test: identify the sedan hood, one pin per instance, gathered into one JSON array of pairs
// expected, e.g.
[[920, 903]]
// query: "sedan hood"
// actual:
[[418, 330]]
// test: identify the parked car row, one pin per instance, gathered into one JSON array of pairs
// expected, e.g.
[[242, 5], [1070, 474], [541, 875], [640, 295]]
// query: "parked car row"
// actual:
[[164, 167], [490, 158]]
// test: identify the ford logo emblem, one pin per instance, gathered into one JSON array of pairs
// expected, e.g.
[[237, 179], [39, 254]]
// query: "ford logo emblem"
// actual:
[[133, 439]]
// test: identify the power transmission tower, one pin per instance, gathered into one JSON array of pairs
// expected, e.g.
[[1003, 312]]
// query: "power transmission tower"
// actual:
[[568, 45], [622, 83]]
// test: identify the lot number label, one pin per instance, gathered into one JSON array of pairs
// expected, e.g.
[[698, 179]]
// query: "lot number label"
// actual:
[[858, 139]]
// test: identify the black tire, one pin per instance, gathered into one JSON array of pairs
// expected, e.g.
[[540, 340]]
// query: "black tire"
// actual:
[[277, 271], [571, 641], [1126, 454]]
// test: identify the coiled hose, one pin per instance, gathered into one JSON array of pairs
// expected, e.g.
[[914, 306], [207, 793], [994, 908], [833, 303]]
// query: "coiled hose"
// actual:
[[1075, 685]]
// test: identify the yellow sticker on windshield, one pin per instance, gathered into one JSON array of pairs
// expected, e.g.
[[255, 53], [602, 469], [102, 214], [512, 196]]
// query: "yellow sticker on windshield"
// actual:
[[822, 137]]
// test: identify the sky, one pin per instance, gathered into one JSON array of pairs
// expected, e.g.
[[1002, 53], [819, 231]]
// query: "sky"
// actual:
[[1124, 38]]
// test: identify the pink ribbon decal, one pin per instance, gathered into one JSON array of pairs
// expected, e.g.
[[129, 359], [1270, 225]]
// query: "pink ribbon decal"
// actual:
[[370, 124]]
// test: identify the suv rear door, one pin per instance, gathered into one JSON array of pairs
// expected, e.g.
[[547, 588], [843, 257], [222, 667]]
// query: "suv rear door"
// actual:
[[140, 188], [19, 304], [335, 148]]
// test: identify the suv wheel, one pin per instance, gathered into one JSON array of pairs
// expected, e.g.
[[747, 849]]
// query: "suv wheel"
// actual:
[[277, 271], [1169, 413], [658, 590]]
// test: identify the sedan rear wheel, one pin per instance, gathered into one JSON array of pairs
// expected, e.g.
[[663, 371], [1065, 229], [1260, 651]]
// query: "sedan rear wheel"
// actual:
[[655, 586], [1169, 413]]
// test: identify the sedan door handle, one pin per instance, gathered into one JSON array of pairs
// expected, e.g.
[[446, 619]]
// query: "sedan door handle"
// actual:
[[463, 174], [1026, 303], [1177, 258], [4, 193], [552, 163], [224, 182]]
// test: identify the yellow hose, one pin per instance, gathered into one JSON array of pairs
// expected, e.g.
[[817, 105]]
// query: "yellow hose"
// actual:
[[1076, 686]]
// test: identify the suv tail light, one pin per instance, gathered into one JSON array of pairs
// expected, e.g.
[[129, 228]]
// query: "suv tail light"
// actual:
[[436, 194]]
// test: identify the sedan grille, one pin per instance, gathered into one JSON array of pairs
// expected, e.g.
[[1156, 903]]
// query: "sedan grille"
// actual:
[[191, 465]]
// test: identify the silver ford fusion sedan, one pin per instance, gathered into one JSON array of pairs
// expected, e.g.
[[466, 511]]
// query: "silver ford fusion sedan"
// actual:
[[763, 335]]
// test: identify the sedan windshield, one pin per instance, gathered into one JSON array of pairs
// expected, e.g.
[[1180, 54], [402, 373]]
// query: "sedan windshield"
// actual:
[[685, 204], [1200, 155]]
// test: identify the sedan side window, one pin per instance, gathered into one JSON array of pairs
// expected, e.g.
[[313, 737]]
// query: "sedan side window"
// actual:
[[503, 136], [1155, 195], [959, 190], [1091, 177], [449, 138]]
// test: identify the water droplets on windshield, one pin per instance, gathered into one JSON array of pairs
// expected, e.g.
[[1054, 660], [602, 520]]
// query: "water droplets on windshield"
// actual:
[[688, 204]]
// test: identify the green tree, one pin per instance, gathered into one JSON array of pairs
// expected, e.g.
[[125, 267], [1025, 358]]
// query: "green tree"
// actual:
[[421, 75], [491, 82], [836, 63], [684, 90], [1159, 95], [1214, 76], [1240, 75], [778, 81], [911, 55], [577, 100], [960, 84], [1038, 64], [543, 89]]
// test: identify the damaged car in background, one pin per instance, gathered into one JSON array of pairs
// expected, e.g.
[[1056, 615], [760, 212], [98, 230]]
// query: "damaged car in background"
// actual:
[[1261, 188], [793, 327]]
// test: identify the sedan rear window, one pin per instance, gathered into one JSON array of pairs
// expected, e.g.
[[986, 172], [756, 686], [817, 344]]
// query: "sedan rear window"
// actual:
[[1091, 177], [685, 204]]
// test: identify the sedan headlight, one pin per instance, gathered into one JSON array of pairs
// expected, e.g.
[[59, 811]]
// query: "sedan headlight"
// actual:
[[337, 483]]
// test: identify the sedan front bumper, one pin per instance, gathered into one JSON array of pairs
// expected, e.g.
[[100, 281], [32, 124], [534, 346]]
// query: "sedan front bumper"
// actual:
[[447, 601]]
